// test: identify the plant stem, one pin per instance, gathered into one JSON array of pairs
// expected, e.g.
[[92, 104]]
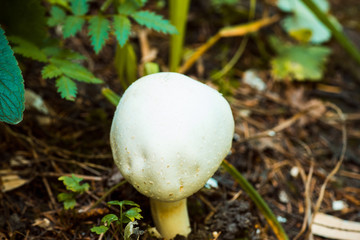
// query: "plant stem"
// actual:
[[178, 15], [105, 5], [338, 35], [258, 200], [108, 193]]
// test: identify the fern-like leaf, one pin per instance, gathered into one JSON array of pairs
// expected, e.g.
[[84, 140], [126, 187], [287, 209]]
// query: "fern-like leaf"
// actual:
[[79, 7], [75, 71], [122, 28], [72, 25], [98, 31], [51, 71], [27, 49], [154, 21], [66, 87], [57, 16]]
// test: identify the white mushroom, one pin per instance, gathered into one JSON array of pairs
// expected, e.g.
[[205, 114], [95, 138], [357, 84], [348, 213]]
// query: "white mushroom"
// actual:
[[169, 135]]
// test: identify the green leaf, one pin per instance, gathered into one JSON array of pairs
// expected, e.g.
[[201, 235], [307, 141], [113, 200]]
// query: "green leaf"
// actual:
[[79, 7], [65, 196], [123, 203], [73, 183], [133, 213], [98, 31], [109, 218], [51, 71], [72, 25], [153, 21], [99, 229], [303, 19], [27, 49], [128, 7], [66, 87], [24, 18], [57, 16], [75, 71], [68, 200], [11, 85], [298, 62], [122, 27]]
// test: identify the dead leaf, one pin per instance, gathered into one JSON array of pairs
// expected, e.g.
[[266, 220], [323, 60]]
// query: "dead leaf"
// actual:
[[43, 223], [10, 181]]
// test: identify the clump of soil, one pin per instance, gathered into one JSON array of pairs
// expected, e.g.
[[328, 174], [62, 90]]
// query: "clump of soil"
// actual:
[[234, 219]]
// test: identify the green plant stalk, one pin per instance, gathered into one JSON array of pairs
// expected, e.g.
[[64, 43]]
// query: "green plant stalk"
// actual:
[[178, 15], [338, 35], [258, 200], [126, 64], [105, 5], [108, 193], [111, 96], [241, 48]]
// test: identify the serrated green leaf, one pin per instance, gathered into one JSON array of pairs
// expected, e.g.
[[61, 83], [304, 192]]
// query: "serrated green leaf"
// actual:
[[11, 85], [98, 31], [298, 62], [122, 27], [99, 229], [128, 7], [109, 218], [79, 7], [57, 16], [73, 183], [133, 213], [24, 18], [73, 24], [51, 71], [69, 204], [154, 21], [75, 71], [68, 200], [65, 196], [66, 87], [27, 49]]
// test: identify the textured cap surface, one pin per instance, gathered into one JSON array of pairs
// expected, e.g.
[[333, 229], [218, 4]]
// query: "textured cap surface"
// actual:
[[169, 135]]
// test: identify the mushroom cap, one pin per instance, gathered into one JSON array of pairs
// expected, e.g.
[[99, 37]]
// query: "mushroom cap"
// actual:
[[169, 135]]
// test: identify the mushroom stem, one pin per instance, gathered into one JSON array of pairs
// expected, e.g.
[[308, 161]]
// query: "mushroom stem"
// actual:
[[171, 218]]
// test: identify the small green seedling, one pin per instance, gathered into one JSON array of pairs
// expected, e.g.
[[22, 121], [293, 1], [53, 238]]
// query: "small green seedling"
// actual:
[[125, 217], [73, 184]]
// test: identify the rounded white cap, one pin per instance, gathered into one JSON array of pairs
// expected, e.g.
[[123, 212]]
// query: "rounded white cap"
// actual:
[[169, 135]]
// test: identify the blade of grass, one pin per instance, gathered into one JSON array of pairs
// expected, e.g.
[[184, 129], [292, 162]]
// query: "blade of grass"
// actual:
[[258, 200], [111, 96], [338, 35], [178, 16]]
